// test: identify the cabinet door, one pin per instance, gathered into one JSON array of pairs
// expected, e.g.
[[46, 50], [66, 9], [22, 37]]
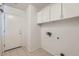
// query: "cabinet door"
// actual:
[[46, 14], [70, 10], [40, 17], [55, 11]]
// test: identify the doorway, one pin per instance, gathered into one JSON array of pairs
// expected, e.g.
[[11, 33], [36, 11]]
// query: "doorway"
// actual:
[[10, 30]]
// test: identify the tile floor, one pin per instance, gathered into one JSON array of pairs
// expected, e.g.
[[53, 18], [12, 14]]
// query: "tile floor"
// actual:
[[24, 52]]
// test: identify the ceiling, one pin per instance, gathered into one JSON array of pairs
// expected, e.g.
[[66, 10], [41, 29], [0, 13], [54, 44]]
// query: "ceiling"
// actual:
[[23, 6]]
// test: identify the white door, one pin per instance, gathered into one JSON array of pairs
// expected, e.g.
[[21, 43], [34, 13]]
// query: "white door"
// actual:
[[12, 31]]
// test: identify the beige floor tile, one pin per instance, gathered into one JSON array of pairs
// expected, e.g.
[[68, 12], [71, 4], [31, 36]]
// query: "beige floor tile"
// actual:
[[24, 52]]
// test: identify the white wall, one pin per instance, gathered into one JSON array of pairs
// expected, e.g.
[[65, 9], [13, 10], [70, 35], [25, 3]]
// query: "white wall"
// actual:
[[35, 30], [0, 32], [67, 30], [33, 41]]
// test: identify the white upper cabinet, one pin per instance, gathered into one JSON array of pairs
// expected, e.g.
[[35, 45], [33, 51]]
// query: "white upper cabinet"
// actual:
[[58, 11], [40, 17], [43, 15], [52, 12], [70, 10], [46, 14], [55, 11]]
